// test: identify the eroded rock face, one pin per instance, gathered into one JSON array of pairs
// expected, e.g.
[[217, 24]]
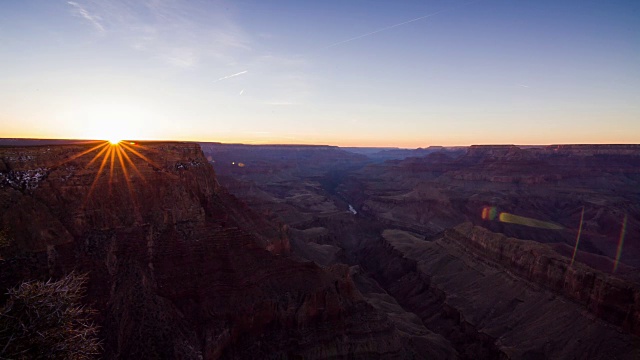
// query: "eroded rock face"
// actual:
[[178, 267], [485, 307], [422, 252], [552, 184], [611, 299]]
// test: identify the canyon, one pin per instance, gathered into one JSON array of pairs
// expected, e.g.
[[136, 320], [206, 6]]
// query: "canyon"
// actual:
[[177, 266], [503, 285], [230, 251]]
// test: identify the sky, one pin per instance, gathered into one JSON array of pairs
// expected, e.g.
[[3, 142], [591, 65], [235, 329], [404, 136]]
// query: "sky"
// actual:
[[347, 73]]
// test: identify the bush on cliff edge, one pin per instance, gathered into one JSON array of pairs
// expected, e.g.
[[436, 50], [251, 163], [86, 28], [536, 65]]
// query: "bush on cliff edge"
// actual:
[[46, 320]]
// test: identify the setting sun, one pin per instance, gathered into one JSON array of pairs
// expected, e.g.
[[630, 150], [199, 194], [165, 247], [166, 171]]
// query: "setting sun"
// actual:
[[114, 141]]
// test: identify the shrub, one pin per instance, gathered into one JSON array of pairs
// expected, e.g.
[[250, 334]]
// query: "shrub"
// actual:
[[45, 320]]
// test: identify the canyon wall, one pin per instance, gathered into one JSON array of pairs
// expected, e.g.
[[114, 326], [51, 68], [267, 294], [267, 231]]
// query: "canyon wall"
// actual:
[[608, 297], [486, 308]]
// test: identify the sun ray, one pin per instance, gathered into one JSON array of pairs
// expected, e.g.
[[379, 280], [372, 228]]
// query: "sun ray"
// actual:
[[98, 156], [135, 152], [81, 154], [95, 181], [120, 151], [147, 149], [135, 168], [141, 148], [125, 172], [575, 250], [107, 151], [124, 168], [111, 170]]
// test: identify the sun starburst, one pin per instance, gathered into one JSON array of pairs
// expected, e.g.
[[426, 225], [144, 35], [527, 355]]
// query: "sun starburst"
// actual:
[[113, 158]]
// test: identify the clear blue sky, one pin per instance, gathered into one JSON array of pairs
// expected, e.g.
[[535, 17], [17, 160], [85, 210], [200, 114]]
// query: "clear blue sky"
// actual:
[[386, 73]]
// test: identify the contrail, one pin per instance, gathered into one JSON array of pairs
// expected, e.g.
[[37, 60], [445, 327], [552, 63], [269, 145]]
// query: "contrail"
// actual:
[[232, 75], [83, 13], [399, 24]]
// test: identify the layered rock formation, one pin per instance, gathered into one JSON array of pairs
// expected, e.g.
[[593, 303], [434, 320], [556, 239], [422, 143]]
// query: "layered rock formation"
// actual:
[[427, 243], [610, 298], [478, 300], [551, 184], [178, 267]]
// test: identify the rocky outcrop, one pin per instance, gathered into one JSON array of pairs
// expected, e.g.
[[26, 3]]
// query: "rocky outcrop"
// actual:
[[610, 298], [178, 267], [486, 310], [400, 276]]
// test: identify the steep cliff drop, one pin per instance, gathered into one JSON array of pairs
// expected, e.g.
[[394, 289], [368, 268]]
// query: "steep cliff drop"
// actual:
[[179, 268]]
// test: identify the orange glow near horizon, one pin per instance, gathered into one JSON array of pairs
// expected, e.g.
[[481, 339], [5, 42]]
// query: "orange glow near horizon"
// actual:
[[303, 139]]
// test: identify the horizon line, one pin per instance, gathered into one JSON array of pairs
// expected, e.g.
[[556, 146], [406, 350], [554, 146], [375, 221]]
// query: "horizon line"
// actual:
[[321, 144]]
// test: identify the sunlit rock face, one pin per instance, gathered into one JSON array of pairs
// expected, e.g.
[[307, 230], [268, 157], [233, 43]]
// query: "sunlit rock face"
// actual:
[[178, 267]]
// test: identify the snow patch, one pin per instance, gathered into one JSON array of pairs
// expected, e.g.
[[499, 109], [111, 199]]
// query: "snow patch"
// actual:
[[24, 179], [186, 166]]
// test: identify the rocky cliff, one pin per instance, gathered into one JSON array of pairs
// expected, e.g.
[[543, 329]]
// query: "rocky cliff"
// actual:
[[608, 297], [178, 267], [490, 310]]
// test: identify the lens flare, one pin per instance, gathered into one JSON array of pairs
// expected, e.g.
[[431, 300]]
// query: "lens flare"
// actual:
[[490, 213], [575, 250], [623, 232], [522, 220]]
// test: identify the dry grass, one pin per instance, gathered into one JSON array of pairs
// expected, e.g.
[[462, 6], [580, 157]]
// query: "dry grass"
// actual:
[[45, 320]]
